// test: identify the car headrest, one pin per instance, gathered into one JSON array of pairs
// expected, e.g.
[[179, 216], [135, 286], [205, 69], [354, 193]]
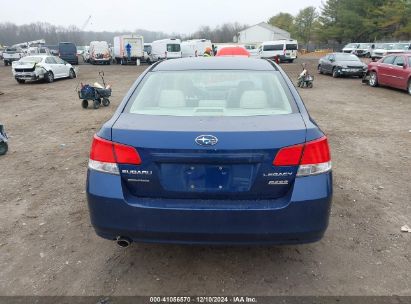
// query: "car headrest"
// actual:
[[253, 99], [171, 99]]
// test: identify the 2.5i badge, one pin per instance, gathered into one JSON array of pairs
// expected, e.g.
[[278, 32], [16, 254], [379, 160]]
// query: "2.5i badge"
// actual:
[[278, 183]]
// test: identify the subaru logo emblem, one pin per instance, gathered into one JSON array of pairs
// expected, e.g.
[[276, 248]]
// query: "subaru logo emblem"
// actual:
[[206, 140]]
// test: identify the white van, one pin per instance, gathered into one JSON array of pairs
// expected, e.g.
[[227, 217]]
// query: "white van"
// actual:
[[286, 49], [165, 49], [195, 47], [99, 52]]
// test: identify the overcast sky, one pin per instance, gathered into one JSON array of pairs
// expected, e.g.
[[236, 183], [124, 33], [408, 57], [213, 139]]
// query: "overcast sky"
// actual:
[[181, 16]]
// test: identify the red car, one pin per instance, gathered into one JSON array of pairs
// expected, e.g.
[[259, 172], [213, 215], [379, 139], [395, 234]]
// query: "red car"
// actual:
[[233, 51], [391, 71]]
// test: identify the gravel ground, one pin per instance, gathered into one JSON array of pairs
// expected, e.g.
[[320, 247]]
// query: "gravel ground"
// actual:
[[48, 247]]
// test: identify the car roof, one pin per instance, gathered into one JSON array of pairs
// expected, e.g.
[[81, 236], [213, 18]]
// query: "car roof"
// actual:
[[215, 63]]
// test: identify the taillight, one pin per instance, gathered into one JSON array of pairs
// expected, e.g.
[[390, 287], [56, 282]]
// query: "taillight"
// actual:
[[313, 157], [289, 156], [105, 155]]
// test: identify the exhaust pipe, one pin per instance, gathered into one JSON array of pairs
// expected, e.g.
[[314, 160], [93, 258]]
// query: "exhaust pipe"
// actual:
[[123, 242]]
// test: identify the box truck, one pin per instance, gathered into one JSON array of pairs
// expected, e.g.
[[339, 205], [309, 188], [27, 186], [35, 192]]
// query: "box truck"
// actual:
[[128, 49]]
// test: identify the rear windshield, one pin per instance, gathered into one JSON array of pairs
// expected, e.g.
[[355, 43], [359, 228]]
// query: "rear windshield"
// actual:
[[351, 45], [67, 48], [275, 47], [31, 59], [173, 48], [212, 93], [291, 47], [11, 50], [346, 57]]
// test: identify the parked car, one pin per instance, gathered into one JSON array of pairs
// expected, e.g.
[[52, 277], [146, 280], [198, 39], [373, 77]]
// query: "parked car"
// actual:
[[54, 49], [3, 141], [286, 49], [252, 49], [99, 52], [68, 52], [12, 54], [165, 49], [391, 71], [211, 150], [341, 64], [363, 50], [397, 48], [350, 47], [41, 67], [380, 50], [233, 51], [81, 49]]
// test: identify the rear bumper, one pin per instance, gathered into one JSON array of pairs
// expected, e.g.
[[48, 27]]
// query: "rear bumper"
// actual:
[[300, 217], [100, 60], [28, 76], [351, 73], [71, 60], [11, 59]]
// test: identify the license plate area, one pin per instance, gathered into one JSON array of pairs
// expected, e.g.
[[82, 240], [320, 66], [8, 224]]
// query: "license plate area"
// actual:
[[200, 178]]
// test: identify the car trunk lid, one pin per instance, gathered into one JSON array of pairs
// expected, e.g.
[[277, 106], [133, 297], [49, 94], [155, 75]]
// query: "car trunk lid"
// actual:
[[238, 166]]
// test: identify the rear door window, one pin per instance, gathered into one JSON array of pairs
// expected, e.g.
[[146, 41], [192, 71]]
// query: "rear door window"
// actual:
[[50, 60], [388, 60], [399, 61], [67, 48], [173, 48]]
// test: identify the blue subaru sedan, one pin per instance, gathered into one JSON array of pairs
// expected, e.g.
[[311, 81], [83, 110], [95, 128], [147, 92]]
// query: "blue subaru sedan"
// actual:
[[210, 151]]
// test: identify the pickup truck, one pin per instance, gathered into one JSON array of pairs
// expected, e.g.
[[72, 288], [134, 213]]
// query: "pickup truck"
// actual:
[[11, 54]]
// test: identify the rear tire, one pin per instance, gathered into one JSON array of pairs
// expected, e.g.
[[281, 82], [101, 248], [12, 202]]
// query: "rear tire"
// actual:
[[96, 103], [3, 148], [335, 73], [72, 74], [49, 77], [106, 102], [373, 82], [320, 70], [84, 104], [409, 86]]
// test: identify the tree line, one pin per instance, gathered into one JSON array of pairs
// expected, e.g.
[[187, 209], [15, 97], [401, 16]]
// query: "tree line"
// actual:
[[341, 21], [12, 34]]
